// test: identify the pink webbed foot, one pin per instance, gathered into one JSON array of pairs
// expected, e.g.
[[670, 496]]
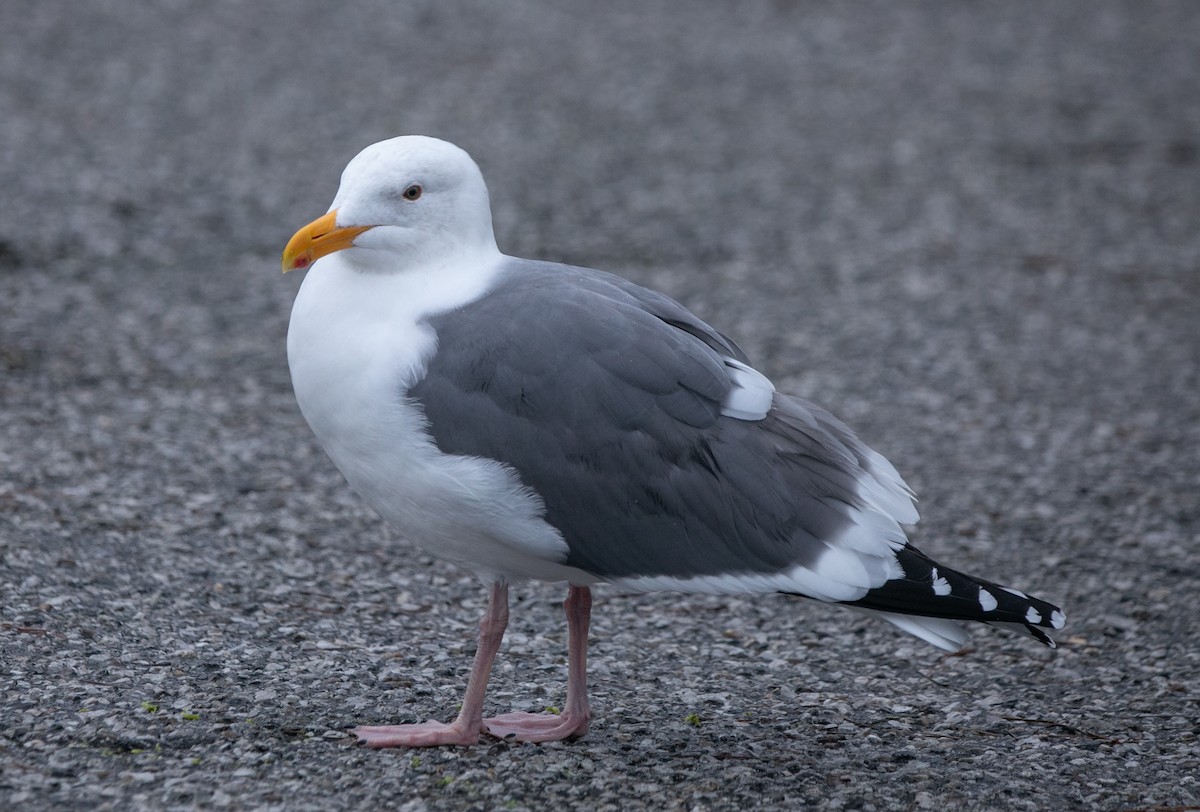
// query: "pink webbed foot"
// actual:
[[427, 734], [536, 727]]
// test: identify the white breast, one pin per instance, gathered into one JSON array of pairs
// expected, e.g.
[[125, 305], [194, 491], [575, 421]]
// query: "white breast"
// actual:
[[356, 344]]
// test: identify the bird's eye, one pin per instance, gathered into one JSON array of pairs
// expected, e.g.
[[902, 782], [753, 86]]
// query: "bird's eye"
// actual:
[[413, 192]]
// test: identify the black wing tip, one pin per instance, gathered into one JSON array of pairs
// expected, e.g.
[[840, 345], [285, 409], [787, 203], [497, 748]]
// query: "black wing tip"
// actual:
[[1056, 620], [929, 589], [1040, 636], [1036, 632]]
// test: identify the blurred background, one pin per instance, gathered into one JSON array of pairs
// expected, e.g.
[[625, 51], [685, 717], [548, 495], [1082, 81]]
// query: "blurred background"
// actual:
[[972, 231]]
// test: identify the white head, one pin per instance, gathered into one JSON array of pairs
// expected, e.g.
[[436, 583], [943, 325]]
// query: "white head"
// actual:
[[405, 203]]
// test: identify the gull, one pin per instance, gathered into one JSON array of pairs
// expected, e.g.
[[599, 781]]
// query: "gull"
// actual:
[[533, 420]]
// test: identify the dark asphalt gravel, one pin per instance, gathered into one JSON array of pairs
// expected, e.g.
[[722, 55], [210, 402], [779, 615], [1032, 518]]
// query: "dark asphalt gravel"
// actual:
[[973, 231]]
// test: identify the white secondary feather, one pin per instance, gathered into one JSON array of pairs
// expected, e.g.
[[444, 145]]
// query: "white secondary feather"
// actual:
[[752, 393], [798, 581], [837, 575], [885, 490]]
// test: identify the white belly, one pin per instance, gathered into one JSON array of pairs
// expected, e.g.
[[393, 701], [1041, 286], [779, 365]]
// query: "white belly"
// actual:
[[355, 347]]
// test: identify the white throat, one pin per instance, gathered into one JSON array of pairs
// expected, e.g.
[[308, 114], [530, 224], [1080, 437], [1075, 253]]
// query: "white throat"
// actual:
[[353, 317]]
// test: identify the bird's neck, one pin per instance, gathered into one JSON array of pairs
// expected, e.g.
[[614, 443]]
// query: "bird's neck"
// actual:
[[389, 286]]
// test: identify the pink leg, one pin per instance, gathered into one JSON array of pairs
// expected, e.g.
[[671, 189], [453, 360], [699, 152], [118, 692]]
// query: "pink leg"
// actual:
[[466, 728], [573, 723]]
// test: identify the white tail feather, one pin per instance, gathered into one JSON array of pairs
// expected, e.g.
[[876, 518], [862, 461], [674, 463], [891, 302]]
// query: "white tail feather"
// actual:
[[945, 634]]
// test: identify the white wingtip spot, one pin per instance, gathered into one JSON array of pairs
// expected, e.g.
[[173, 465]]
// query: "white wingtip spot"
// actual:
[[941, 586], [1058, 619], [1016, 592], [1033, 615], [987, 601]]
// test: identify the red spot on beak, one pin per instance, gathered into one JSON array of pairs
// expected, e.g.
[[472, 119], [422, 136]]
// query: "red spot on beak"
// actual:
[[301, 262]]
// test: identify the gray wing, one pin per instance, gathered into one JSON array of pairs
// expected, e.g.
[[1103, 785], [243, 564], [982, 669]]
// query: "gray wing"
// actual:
[[606, 398]]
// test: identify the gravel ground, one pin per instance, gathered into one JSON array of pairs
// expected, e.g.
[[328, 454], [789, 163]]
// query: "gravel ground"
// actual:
[[970, 230]]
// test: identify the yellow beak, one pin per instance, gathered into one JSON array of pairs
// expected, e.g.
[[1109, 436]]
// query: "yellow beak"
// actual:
[[320, 237]]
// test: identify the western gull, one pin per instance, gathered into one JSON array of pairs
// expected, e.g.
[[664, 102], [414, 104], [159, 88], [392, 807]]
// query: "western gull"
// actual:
[[527, 419]]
